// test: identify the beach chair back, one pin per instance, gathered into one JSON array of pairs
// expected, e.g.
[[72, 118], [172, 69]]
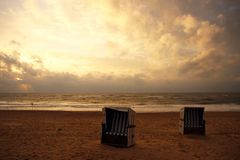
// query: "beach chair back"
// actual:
[[116, 121], [192, 120], [118, 126]]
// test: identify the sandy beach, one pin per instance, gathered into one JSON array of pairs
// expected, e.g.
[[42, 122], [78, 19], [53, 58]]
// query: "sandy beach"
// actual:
[[58, 135]]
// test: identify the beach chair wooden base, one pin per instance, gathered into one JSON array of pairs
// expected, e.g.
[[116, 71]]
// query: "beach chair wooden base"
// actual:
[[190, 130], [115, 140]]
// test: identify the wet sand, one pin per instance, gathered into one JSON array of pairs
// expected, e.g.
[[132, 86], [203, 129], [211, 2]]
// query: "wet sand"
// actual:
[[58, 135]]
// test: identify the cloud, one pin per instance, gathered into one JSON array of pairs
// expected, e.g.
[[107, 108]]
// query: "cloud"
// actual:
[[124, 45], [188, 22], [17, 76]]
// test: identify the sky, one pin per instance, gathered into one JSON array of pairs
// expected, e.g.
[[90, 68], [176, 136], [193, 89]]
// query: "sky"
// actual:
[[119, 46]]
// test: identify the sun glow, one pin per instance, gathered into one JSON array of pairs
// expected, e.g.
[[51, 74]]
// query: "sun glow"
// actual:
[[152, 42]]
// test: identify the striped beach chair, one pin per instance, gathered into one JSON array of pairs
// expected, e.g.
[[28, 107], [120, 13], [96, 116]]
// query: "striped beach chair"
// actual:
[[118, 127], [192, 120]]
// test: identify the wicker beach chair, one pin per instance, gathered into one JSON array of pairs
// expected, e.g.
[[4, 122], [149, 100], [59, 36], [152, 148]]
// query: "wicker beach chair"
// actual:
[[118, 127], [192, 120]]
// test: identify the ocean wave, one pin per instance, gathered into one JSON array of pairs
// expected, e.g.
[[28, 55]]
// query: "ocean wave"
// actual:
[[75, 106]]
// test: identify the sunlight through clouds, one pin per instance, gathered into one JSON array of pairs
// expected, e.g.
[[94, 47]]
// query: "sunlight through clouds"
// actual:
[[163, 41]]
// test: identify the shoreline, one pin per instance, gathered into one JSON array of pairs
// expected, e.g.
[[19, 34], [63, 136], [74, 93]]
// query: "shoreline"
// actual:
[[100, 111], [138, 108]]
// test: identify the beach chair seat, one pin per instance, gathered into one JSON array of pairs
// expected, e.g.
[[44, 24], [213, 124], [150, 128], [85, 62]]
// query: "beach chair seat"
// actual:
[[192, 120], [118, 127]]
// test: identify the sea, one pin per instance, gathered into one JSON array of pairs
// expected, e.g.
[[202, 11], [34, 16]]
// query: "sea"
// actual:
[[140, 102]]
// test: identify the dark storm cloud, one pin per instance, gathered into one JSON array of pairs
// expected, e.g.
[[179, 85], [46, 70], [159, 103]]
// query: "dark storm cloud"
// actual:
[[222, 12], [221, 63], [214, 65], [14, 74], [36, 80]]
